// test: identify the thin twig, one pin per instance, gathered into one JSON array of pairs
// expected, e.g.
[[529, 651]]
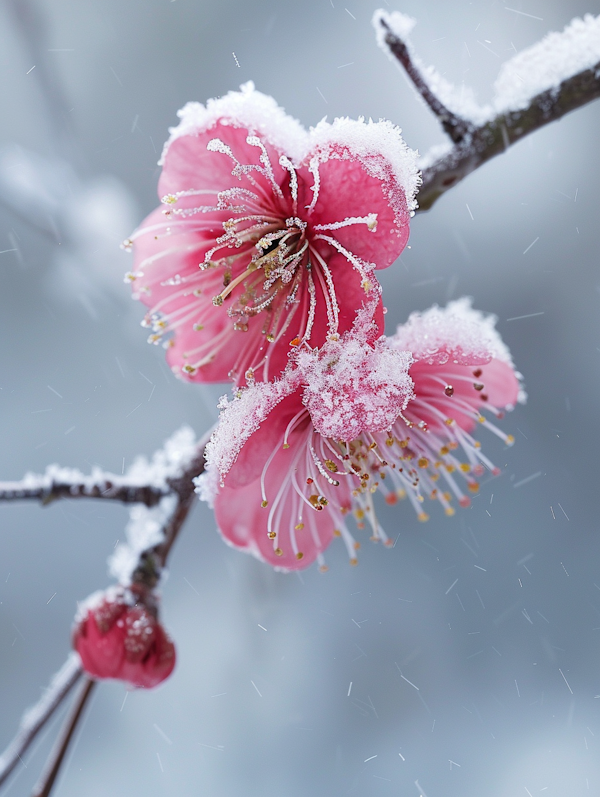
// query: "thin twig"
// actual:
[[109, 486], [455, 126], [44, 785], [497, 135], [35, 719]]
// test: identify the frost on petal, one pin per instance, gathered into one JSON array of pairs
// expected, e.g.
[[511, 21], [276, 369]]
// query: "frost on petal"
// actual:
[[456, 333], [246, 108], [240, 418], [269, 236], [117, 636], [545, 65], [365, 171], [352, 387]]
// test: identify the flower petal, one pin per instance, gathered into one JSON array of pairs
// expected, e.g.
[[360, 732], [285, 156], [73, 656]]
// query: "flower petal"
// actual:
[[365, 171], [243, 520]]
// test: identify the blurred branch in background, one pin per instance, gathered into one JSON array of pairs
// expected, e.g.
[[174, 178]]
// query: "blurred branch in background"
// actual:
[[35, 718], [44, 785], [536, 87]]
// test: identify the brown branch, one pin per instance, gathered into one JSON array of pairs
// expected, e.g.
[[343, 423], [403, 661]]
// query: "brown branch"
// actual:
[[47, 489], [475, 144], [152, 561], [455, 126], [44, 785], [36, 718], [497, 135]]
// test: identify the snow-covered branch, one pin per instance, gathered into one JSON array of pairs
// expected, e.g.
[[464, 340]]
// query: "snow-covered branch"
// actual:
[[36, 717], [163, 489], [46, 781], [538, 86], [59, 482], [168, 472]]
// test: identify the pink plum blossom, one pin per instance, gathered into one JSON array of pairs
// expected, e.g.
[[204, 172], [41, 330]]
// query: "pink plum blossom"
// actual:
[[269, 236], [291, 460]]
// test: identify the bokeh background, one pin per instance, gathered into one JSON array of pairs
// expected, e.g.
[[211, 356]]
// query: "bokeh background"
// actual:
[[463, 662]]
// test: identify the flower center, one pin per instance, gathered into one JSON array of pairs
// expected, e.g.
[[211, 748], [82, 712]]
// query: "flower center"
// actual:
[[280, 250]]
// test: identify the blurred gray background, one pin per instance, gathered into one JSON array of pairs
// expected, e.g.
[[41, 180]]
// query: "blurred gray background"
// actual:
[[376, 680]]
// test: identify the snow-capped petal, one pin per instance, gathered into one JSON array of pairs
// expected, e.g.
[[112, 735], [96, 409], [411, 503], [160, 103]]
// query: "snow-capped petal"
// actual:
[[367, 176]]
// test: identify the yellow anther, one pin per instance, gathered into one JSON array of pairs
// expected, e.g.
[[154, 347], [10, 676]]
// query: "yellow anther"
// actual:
[[299, 526], [264, 504], [423, 517], [278, 552]]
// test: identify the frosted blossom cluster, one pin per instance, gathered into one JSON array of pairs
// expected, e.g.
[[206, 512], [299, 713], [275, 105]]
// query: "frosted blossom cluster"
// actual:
[[290, 461], [261, 270]]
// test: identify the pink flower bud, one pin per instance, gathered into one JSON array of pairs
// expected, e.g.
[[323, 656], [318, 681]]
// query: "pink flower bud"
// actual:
[[116, 638]]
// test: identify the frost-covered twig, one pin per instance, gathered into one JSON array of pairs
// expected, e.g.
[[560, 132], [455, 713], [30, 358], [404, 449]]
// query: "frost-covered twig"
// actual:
[[169, 471], [538, 86], [497, 135], [35, 718], [44, 785], [456, 127], [70, 483]]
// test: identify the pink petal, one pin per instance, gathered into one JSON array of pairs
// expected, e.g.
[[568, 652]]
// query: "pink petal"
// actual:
[[346, 191], [189, 165], [365, 168], [500, 389], [243, 521]]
